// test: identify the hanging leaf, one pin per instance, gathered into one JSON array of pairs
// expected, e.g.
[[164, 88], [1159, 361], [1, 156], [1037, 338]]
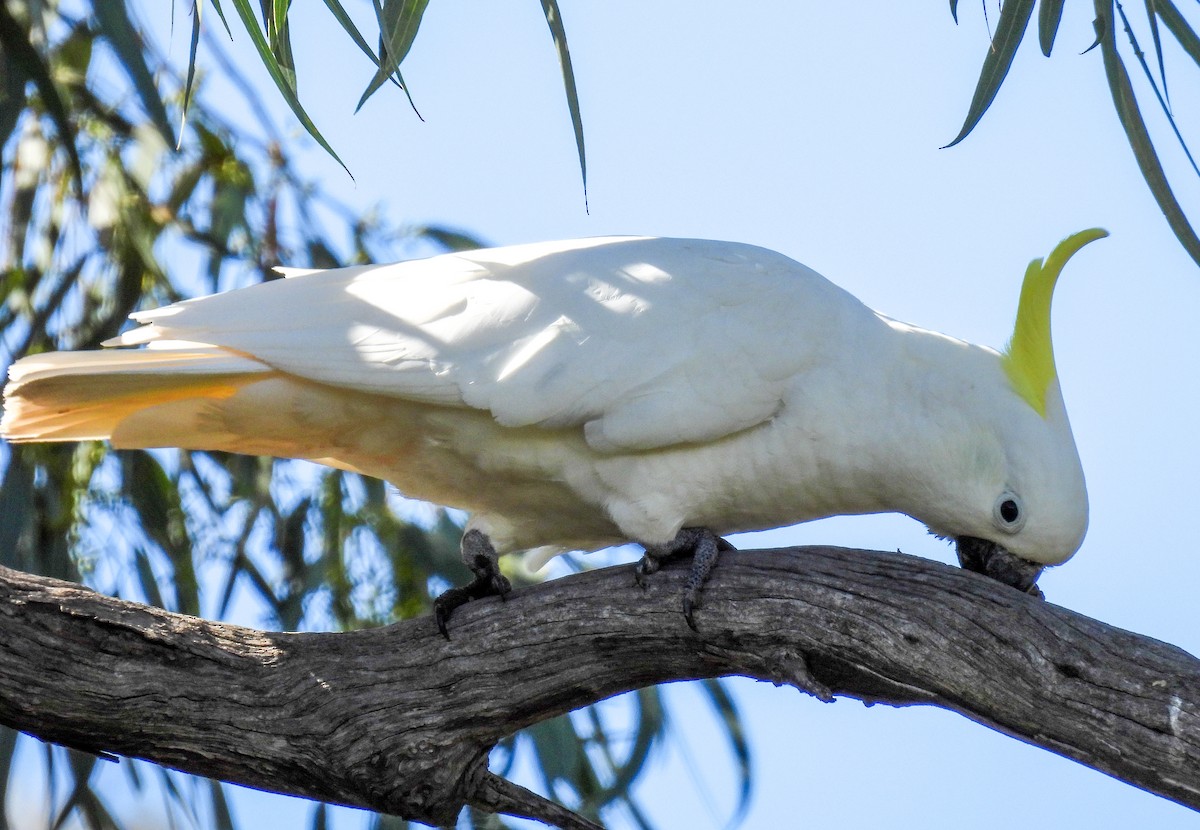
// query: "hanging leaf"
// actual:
[[1160, 95], [279, 77], [559, 33], [398, 22], [1138, 136], [14, 42], [1049, 16], [1178, 26], [115, 27], [1014, 18]]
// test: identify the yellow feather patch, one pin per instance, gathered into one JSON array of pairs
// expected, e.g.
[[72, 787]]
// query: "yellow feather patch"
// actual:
[[1029, 357]]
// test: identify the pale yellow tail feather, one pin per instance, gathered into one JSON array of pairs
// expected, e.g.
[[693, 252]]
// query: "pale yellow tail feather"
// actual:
[[77, 396]]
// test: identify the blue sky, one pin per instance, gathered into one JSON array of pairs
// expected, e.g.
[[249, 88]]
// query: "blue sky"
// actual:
[[814, 129]]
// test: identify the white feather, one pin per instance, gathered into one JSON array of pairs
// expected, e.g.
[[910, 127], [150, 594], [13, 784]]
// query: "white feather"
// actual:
[[577, 394]]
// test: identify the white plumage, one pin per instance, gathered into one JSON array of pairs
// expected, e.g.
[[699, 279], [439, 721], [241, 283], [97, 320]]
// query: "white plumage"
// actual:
[[573, 395]]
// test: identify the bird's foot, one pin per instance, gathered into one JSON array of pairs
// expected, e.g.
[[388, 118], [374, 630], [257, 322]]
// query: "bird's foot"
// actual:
[[480, 556], [991, 559], [704, 546]]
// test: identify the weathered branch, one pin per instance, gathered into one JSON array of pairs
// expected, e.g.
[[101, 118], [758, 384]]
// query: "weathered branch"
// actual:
[[400, 721]]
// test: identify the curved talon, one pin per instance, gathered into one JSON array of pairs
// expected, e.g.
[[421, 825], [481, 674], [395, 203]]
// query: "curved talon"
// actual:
[[645, 566], [689, 602], [703, 545]]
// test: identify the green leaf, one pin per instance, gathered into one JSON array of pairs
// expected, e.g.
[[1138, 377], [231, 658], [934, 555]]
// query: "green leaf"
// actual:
[[17, 507], [220, 14], [194, 44], [651, 724], [275, 18], [1179, 27], [554, 21], [14, 42], [726, 709], [155, 498], [954, 11], [1162, 103], [1138, 136], [146, 578], [1049, 16], [398, 21], [116, 27], [277, 75], [12, 94], [1152, 17], [222, 818], [1014, 18], [449, 238], [320, 819], [339, 13]]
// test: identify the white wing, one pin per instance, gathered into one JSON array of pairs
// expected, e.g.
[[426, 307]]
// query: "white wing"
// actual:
[[644, 342]]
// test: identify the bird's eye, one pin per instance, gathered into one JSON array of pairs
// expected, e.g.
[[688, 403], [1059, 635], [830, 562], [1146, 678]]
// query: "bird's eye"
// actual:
[[1009, 513]]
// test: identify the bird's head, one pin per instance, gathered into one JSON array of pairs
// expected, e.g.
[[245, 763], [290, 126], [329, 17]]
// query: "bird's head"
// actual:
[[1028, 498]]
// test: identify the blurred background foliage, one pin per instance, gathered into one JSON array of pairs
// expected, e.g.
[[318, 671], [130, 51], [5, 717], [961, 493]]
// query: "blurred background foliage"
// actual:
[[122, 189], [112, 200]]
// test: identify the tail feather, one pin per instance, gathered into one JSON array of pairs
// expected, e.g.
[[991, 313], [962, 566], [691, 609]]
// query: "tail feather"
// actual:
[[77, 396]]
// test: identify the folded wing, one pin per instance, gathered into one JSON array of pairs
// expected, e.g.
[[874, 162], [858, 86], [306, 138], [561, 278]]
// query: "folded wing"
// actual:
[[642, 342]]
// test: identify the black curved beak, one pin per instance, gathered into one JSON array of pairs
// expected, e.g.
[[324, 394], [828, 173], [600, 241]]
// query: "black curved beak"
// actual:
[[991, 559]]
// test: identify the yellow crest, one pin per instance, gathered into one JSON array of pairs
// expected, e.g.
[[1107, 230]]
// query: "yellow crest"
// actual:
[[1029, 357]]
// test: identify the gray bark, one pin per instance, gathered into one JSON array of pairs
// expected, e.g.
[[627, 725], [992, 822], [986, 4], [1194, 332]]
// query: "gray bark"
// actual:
[[399, 720]]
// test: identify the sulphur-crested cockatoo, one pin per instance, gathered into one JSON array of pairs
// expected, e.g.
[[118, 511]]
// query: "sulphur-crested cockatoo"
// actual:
[[575, 395]]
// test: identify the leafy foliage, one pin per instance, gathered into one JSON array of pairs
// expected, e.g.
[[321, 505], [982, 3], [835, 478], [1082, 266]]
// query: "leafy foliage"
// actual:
[[105, 210], [398, 22], [1010, 31]]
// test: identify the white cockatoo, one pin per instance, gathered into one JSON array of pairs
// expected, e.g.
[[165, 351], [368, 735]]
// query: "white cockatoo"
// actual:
[[576, 395]]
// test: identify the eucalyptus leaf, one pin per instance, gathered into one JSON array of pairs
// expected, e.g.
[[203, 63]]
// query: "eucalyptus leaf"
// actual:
[[118, 30], [1178, 26], [559, 33], [1014, 18], [398, 22], [279, 77], [1049, 16], [1138, 136], [14, 42]]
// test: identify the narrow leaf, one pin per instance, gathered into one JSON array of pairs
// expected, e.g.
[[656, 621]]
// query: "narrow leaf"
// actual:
[[147, 579], [1162, 103], [197, 11], [1049, 16], [12, 94], [118, 30], [339, 13], [726, 709], [449, 238], [268, 59], [651, 724], [275, 17], [1179, 27], [559, 33], [222, 818], [954, 11], [1014, 18], [221, 14], [14, 41], [1162, 70], [398, 22], [1139, 138]]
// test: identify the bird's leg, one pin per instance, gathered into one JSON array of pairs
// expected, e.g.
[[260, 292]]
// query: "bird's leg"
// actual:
[[703, 544], [480, 556]]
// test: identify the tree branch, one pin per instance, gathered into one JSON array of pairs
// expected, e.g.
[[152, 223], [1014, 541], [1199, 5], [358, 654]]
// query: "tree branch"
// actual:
[[400, 721]]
